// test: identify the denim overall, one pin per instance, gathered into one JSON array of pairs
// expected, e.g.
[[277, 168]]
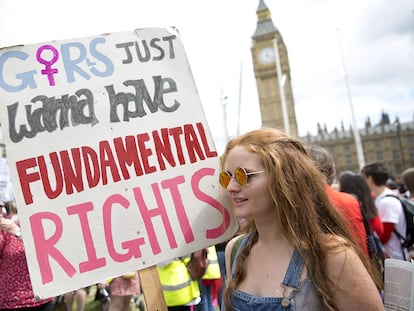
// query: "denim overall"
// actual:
[[310, 301]]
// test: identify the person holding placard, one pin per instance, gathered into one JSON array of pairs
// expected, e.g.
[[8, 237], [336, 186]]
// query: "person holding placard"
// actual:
[[296, 252], [16, 289]]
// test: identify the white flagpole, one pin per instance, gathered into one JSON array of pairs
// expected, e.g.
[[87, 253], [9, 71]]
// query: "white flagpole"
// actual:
[[357, 137], [224, 101], [281, 88], [240, 96]]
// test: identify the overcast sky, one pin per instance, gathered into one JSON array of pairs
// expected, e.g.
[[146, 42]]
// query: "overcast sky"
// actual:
[[377, 39]]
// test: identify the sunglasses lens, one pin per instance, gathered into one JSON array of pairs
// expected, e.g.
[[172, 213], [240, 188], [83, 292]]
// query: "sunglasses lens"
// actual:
[[224, 179], [240, 176]]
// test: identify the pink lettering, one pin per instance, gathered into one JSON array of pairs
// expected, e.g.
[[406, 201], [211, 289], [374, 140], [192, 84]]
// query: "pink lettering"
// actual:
[[133, 245], [195, 181], [46, 247], [93, 262], [185, 226]]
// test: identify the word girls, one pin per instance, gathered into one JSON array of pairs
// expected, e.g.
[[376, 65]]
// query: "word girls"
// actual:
[[76, 57]]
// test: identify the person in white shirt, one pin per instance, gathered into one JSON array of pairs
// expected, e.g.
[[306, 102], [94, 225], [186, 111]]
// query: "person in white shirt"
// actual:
[[389, 209]]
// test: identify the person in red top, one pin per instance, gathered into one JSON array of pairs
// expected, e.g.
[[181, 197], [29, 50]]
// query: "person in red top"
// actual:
[[356, 184], [16, 289], [346, 204]]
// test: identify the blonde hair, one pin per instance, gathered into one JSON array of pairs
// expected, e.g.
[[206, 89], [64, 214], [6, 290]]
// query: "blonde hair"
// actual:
[[302, 211]]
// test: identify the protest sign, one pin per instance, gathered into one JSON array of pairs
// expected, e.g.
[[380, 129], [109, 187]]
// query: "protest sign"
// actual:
[[111, 158]]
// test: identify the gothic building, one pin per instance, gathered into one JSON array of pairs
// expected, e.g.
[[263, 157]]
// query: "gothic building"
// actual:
[[384, 141]]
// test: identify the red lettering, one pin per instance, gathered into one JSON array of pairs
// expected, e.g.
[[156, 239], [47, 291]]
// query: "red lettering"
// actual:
[[92, 171], [50, 193], [145, 153], [107, 160], [73, 175], [127, 155], [26, 179], [201, 131], [192, 144], [176, 133], [163, 148]]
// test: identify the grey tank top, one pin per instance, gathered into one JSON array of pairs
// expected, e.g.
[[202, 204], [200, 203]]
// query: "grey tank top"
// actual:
[[303, 298]]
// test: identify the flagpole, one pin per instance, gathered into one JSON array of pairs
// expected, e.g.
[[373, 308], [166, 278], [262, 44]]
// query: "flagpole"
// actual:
[[240, 96], [281, 88], [357, 137], [224, 100]]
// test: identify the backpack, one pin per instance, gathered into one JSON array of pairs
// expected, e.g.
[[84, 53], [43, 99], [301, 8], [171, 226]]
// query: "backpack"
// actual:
[[374, 245], [198, 264], [408, 208]]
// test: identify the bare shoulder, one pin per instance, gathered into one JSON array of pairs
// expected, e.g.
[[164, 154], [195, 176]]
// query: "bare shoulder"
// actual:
[[350, 278]]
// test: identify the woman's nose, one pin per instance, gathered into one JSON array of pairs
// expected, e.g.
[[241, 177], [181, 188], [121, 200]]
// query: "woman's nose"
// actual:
[[233, 185]]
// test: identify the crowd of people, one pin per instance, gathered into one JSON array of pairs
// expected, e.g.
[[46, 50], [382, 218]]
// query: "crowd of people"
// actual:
[[303, 242]]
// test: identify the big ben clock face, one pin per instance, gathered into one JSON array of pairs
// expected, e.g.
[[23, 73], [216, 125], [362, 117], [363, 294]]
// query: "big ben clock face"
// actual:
[[266, 56]]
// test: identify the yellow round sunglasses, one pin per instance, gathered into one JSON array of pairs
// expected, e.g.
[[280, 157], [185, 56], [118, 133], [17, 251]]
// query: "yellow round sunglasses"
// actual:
[[240, 175]]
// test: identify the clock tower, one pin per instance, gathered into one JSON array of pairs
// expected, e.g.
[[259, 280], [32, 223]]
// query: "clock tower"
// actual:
[[276, 104]]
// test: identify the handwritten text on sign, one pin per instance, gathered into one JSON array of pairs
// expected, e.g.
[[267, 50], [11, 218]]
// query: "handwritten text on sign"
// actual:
[[111, 155]]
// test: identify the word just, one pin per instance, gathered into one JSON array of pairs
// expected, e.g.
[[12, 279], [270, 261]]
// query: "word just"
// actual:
[[77, 58]]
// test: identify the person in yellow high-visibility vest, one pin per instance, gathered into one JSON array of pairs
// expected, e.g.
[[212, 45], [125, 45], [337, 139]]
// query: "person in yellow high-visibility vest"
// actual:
[[207, 283], [180, 291]]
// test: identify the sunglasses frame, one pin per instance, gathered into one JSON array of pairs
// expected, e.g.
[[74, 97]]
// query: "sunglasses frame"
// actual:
[[236, 176]]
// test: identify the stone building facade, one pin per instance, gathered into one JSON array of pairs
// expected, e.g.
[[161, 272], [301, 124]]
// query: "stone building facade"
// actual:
[[391, 142]]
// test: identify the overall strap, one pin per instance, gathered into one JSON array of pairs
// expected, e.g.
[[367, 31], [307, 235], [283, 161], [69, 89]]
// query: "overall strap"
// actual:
[[294, 271]]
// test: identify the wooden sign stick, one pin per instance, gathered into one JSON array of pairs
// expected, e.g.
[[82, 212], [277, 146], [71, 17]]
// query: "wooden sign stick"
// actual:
[[151, 286]]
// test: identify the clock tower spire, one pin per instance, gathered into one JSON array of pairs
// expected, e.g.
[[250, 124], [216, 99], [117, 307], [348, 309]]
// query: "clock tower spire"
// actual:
[[276, 105]]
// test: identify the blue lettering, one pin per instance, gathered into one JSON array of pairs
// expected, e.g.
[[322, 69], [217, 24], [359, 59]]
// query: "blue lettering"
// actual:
[[26, 78], [71, 64], [103, 58]]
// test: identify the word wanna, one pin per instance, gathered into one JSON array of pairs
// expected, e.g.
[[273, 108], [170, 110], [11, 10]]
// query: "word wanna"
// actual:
[[171, 146], [79, 108], [46, 245]]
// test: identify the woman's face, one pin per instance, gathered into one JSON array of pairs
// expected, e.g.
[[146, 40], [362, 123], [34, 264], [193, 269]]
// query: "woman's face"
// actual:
[[253, 199]]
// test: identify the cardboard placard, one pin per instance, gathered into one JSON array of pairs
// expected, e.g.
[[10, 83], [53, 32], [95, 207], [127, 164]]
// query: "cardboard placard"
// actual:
[[110, 155]]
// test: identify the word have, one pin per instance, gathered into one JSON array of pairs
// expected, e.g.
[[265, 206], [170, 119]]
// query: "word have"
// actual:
[[47, 245], [81, 111], [171, 145]]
